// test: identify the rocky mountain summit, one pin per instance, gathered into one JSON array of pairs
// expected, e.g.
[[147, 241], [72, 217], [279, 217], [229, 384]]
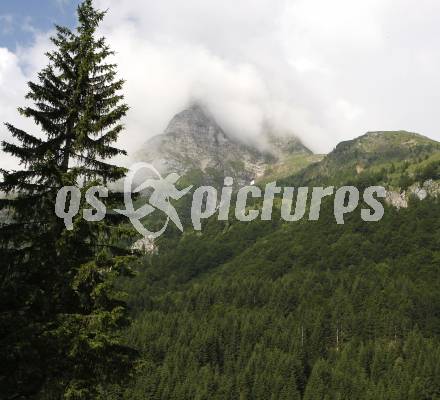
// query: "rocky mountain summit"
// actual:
[[193, 141], [194, 145]]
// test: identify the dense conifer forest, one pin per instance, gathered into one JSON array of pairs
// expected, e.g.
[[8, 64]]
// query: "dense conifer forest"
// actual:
[[309, 310]]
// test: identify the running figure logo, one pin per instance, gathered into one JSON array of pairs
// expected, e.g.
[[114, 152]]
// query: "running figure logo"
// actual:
[[164, 189]]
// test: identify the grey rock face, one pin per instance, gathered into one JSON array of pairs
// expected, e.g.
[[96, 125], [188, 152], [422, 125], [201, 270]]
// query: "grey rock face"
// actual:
[[400, 200], [282, 146], [396, 199], [194, 141], [145, 245]]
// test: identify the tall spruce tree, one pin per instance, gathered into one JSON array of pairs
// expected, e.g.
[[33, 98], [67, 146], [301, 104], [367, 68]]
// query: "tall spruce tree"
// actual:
[[59, 312]]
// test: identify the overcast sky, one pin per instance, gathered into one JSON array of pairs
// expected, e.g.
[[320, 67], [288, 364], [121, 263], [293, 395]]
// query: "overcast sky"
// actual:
[[325, 70]]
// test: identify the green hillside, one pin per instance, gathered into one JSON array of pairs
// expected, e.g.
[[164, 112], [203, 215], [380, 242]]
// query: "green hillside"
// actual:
[[292, 310], [379, 156], [289, 165], [306, 310]]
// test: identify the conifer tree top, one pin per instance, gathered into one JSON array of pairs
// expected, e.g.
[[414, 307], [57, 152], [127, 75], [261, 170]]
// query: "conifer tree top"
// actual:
[[77, 105]]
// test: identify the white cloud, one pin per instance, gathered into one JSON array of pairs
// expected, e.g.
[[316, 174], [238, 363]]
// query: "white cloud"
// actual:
[[16, 69], [12, 84], [326, 71]]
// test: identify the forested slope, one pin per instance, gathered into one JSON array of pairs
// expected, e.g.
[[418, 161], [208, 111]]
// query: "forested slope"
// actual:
[[313, 310]]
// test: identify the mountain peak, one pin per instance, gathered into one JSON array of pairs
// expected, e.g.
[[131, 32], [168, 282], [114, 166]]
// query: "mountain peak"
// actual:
[[193, 140], [195, 110], [194, 120]]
